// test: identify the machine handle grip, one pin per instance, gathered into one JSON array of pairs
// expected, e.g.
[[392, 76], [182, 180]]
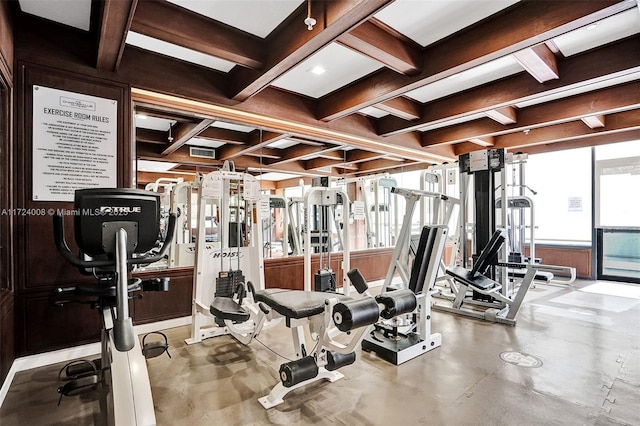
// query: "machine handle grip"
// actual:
[[358, 281], [63, 248]]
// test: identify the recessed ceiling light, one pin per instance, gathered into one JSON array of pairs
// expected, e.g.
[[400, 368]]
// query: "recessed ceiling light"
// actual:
[[317, 70], [591, 27]]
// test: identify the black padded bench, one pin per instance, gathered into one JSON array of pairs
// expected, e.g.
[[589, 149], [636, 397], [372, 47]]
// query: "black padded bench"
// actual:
[[296, 304], [226, 308], [488, 257]]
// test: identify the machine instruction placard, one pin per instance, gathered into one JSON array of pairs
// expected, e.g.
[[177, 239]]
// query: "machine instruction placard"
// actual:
[[74, 143]]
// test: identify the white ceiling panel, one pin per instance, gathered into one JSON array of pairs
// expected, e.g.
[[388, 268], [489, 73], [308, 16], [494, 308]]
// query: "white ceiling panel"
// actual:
[[153, 123], [473, 77], [329, 69], [580, 88], [178, 52], [233, 126], [426, 22], [283, 144], [75, 13], [452, 122], [258, 17], [207, 143], [155, 166], [373, 112], [276, 176], [605, 31]]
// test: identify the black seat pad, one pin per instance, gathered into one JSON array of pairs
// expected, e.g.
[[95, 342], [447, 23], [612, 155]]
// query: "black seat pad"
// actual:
[[226, 308], [296, 303], [465, 276]]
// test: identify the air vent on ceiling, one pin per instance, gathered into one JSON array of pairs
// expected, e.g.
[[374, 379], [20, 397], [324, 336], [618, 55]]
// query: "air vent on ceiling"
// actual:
[[202, 152]]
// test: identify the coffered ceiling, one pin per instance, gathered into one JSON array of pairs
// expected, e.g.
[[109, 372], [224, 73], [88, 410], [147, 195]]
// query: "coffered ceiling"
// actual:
[[376, 84]]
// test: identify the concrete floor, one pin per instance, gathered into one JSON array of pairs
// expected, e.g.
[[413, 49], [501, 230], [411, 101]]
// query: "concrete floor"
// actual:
[[588, 342]]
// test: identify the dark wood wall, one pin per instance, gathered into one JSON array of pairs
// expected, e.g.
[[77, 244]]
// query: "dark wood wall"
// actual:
[[7, 325]]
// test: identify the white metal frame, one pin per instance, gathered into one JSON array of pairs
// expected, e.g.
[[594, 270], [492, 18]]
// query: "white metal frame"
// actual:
[[322, 196], [209, 261]]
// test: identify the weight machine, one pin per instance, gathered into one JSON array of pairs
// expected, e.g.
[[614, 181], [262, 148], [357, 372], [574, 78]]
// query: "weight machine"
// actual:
[[224, 270], [321, 203], [114, 230], [183, 203], [481, 286], [269, 225], [416, 262], [384, 225]]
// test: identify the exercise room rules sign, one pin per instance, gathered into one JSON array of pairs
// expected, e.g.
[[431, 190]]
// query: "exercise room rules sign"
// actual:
[[74, 143]]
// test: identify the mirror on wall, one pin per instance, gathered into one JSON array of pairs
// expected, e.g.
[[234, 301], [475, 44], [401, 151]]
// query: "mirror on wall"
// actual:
[[175, 149]]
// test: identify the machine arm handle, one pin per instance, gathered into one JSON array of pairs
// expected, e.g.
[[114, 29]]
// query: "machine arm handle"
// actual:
[[63, 248]]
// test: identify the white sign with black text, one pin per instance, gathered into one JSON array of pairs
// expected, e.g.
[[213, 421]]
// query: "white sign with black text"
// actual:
[[74, 143]]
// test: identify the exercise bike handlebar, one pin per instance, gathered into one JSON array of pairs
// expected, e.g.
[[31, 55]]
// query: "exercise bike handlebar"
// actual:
[[63, 248]]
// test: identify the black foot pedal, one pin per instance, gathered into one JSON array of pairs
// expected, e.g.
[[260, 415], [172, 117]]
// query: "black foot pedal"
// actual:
[[155, 348], [82, 377], [80, 368]]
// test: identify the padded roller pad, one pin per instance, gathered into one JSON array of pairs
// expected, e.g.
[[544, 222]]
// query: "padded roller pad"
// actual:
[[226, 308], [465, 276], [397, 302], [296, 304]]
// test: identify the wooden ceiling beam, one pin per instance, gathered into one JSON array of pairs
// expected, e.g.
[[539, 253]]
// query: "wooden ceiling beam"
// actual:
[[402, 107], [114, 25], [298, 152], [174, 24], [486, 141], [181, 156], [264, 152], [257, 142], [151, 136], [540, 62], [294, 114], [381, 164], [524, 25], [183, 132], [293, 43], [374, 39], [622, 121], [617, 137], [320, 163], [604, 101], [359, 155], [228, 136], [601, 64], [594, 121], [504, 115]]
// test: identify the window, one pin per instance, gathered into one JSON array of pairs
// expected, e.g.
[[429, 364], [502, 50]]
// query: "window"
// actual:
[[562, 180], [617, 183]]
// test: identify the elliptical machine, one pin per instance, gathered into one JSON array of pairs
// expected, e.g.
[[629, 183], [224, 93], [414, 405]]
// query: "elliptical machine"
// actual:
[[114, 230]]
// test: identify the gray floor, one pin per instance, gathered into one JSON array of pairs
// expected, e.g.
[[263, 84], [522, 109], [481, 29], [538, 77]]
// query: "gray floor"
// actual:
[[589, 345]]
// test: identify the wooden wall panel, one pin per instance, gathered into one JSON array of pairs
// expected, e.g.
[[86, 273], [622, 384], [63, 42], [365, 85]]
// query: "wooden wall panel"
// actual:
[[44, 326], [7, 296], [158, 306], [6, 39], [40, 326], [579, 258], [288, 272], [7, 325]]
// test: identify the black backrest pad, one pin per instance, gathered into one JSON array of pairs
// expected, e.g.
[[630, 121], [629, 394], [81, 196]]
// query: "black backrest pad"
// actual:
[[421, 260], [101, 212], [489, 253]]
